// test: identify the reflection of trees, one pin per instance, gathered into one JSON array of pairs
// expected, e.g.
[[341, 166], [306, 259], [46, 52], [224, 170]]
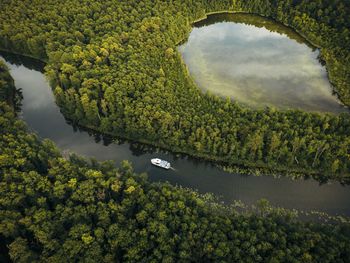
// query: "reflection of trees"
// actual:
[[18, 100], [19, 60], [254, 20], [137, 149], [98, 137]]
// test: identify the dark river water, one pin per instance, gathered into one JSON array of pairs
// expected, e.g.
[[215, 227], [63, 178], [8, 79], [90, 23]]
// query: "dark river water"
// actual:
[[43, 116], [258, 63]]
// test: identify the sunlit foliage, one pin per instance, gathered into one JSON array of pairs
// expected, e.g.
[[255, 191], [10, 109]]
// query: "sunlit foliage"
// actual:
[[114, 67]]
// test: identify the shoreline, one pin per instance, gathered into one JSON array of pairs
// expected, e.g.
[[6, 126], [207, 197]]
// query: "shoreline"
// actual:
[[239, 167]]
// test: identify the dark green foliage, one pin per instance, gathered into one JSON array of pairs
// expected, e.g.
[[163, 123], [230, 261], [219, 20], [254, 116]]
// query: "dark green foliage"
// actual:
[[7, 87], [114, 68], [58, 210]]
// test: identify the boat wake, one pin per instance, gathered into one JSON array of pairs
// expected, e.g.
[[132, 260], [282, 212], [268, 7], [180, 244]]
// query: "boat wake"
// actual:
[[172, 168]]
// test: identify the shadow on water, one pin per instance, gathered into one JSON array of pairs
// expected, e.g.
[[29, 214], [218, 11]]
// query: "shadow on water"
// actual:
[[44, 117], [257, 21], [19, 60]]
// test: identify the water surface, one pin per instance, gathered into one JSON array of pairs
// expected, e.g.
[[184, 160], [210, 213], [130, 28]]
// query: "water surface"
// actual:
[[259, 63], [43, 116]]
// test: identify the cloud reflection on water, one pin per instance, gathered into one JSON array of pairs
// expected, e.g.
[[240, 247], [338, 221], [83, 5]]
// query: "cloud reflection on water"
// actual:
[[258, 67]]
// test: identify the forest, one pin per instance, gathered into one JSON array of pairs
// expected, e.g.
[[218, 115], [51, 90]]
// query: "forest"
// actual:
[[114, 67], [69, 209], [7, 90]]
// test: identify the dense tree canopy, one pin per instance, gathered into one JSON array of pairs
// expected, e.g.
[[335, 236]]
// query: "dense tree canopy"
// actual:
[[114, 67], [55, 209], [7, 86]]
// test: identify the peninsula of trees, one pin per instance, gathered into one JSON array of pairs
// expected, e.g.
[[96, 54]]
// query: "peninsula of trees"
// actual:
[[114, 67], [55, 209]]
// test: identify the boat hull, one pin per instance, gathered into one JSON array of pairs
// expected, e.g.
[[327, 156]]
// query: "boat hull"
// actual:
[[160, 163]]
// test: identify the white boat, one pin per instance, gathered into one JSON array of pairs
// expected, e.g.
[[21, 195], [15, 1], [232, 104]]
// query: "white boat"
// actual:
[[160, 163]]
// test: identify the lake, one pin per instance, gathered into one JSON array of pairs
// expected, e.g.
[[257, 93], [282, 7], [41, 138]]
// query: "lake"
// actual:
[[258, 63], [43, 116]]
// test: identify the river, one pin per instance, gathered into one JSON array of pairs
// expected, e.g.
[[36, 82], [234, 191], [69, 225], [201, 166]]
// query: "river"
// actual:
[[259, 63], [43, 116]]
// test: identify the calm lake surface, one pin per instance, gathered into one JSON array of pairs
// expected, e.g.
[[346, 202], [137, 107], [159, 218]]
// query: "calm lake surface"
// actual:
[[259, 63], [43, 116]]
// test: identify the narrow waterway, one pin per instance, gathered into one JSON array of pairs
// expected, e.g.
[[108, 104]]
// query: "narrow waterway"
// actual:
[[43, 116]]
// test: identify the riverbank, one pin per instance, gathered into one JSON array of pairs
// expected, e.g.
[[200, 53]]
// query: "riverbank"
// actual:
[[44, 118], [56, 188], [307, 37], [7, 86], [232, 168], [237, 167], [11, 51], [191, 141]]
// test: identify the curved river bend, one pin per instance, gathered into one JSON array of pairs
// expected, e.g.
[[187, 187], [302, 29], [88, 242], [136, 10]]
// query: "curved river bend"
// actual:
[[43, 116], [258, 62]]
